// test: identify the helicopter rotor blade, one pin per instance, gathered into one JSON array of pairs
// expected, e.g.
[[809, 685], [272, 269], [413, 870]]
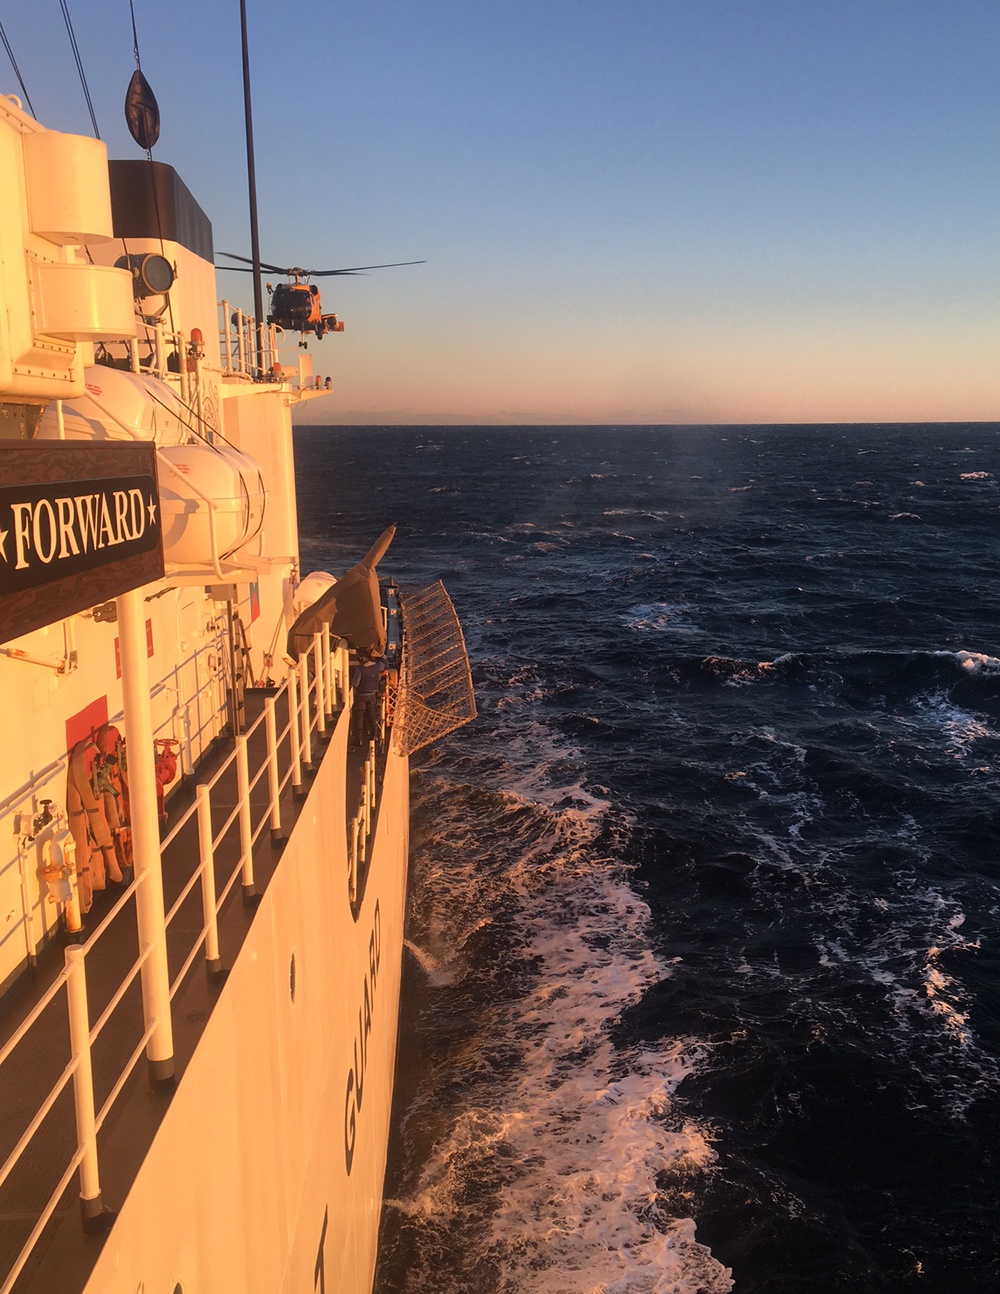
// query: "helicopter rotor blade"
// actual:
[[359, 269], [275, 269], [299, 272]]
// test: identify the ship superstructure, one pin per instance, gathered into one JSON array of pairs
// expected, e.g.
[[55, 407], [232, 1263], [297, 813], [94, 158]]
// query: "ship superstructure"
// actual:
[[203, 887]]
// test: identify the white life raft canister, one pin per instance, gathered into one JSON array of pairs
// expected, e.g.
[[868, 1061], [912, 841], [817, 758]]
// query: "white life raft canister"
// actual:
[[203, 480], [119, 405]]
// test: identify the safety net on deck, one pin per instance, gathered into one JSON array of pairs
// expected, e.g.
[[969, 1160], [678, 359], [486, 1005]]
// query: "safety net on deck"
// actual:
[[435, 686]]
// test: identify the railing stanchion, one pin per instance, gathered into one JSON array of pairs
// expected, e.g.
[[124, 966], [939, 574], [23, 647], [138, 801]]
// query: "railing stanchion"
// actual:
[[273, 783], [320, 684], [91, 1203], [307, 757], [227, 346], [352, 862], [370, 770], [241, 352], [150, 921], [293, 731], [209, 907], [330, 691], [344, 657], [246, 825]]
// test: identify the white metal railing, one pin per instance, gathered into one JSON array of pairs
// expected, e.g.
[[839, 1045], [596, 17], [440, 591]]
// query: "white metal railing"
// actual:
[[177, 725], [239, 344], [319, 696]]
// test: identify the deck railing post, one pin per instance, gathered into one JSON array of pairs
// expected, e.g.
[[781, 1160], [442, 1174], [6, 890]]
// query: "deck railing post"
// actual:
[[227, 348], [91, 1203], [307, 758], [320, 684], [273, 780], [293, 731], [246, 825], [330, 691], [209, 906], [145, 826], [352, 860], [241, 353], [344, 668]]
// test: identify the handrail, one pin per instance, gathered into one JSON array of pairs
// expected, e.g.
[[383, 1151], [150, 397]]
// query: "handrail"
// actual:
[[89, 1122], [177, 723], [57, 767]]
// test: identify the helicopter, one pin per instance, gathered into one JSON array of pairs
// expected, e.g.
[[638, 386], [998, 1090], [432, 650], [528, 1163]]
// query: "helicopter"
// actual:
[[296, 305]]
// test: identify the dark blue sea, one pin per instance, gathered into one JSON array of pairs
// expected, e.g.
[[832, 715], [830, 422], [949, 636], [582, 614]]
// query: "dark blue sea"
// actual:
[[703, 977]]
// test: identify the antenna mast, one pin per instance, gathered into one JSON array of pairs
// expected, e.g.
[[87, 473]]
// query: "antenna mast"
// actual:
[[258, 296]]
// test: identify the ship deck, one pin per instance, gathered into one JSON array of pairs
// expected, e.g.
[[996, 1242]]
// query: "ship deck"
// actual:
[[65, 1254]]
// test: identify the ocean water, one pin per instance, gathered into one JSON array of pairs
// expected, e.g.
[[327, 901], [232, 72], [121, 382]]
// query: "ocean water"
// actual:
[[704, 934]]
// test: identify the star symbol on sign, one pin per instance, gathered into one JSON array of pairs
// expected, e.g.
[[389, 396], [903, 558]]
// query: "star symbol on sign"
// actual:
[[3, 543], [151, 509]]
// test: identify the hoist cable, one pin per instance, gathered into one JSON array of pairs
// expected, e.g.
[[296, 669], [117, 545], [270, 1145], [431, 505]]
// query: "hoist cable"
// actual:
[[17, 70], [79, 64]]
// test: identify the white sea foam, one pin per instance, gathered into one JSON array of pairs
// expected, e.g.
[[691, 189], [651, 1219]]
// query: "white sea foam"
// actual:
[[960, 728], [661, 617], [909, 950], [973, 661], [574, 1143]]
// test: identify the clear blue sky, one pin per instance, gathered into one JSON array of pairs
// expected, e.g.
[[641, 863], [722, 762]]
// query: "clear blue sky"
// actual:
[[642, 211]]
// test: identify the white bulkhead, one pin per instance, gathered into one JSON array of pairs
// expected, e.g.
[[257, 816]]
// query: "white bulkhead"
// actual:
[[52, 296]]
